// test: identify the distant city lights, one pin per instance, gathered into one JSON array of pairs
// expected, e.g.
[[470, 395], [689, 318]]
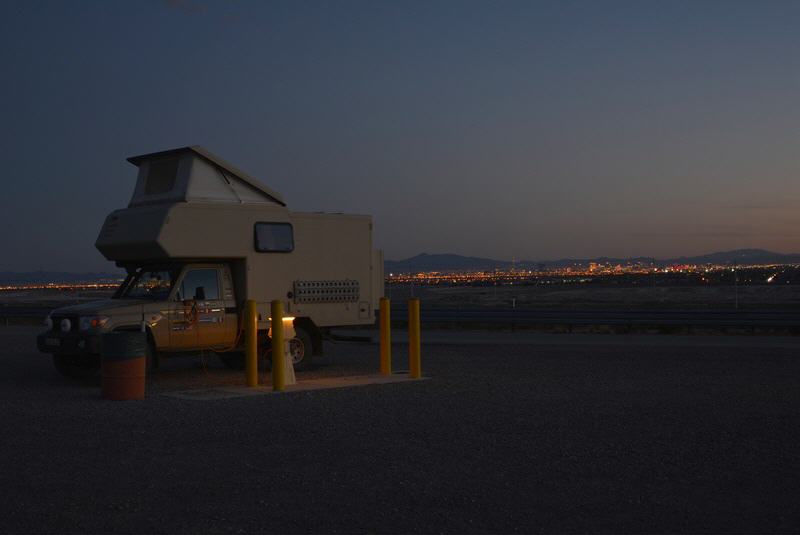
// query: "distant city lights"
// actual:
[[584, 274], [64, 286], [575, 274]]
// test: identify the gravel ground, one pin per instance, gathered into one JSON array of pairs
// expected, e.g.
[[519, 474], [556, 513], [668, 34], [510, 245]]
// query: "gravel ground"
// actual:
[[530, 437]]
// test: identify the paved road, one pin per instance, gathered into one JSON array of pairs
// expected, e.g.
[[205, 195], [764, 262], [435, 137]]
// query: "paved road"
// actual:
[[525, 438], [532, 338]]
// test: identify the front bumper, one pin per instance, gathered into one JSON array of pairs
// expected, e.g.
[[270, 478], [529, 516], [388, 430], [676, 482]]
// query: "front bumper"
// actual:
[[60, 343]]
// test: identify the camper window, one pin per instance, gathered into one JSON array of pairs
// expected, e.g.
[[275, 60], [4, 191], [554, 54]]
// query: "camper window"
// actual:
[[161, 176], [274, 238]]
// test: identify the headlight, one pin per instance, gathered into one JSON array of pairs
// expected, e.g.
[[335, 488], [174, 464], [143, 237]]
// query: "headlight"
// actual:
[[48, 323], [66, 325], [92, 323]]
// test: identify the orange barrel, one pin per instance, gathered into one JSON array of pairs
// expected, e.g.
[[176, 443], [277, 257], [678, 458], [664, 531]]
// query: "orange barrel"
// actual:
[[124, 365]]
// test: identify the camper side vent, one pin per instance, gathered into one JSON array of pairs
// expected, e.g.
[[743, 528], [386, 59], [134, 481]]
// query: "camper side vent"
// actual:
[[341, 291]]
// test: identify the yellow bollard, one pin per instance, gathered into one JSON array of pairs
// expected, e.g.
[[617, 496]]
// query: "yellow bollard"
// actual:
[[386, 337], [414, 342], [278, 361], [251, 342]]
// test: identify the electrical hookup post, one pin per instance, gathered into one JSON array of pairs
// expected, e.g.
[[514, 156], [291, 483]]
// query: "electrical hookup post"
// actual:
[[282, 364], [281, 332]]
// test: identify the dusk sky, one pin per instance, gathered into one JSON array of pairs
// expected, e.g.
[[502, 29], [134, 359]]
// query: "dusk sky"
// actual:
[[527, 130]]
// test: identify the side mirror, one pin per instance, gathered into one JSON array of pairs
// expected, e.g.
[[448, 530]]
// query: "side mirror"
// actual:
[[200, 293]]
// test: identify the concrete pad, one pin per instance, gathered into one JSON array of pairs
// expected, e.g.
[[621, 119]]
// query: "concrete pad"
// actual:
[[432, 337], [227, 392]]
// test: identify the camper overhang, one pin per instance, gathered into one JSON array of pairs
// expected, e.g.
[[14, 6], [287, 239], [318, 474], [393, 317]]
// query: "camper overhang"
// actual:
[[184, 230]]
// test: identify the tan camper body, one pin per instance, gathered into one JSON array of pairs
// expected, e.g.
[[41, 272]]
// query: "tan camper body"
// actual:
[[199, 238], [332, 252], [190, 205]]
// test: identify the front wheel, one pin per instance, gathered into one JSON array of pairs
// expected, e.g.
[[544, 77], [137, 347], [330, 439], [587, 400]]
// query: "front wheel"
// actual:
[[151, 358], [88, 367], [77, 367]]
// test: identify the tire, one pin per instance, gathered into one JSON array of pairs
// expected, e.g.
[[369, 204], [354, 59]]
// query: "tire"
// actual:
[[77, 367], [88, 368], [151, 355], [153, 360], [302, 349]]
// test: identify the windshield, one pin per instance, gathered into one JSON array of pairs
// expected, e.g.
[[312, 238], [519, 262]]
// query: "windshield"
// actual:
[[150, 284]]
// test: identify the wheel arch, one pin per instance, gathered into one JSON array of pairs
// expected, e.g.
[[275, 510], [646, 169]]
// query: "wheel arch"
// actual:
[[308, 325], [136, 328], [153, 355]]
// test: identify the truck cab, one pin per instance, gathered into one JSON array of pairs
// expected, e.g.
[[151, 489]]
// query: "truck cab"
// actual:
[[182, 307], [187, 307]]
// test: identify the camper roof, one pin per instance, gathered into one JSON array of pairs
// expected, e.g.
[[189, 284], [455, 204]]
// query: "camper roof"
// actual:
[[217, 162]]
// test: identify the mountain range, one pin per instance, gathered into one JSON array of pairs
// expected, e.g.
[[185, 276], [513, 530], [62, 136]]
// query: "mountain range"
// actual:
[[454, 262]]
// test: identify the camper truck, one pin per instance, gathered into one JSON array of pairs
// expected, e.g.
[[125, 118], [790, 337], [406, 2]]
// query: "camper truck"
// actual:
[[199, 238]]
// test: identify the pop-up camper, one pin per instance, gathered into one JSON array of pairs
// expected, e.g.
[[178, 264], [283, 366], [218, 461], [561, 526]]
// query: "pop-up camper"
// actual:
[[199, 238]]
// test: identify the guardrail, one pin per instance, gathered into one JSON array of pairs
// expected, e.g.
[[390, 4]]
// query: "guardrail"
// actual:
[[685, 318]]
